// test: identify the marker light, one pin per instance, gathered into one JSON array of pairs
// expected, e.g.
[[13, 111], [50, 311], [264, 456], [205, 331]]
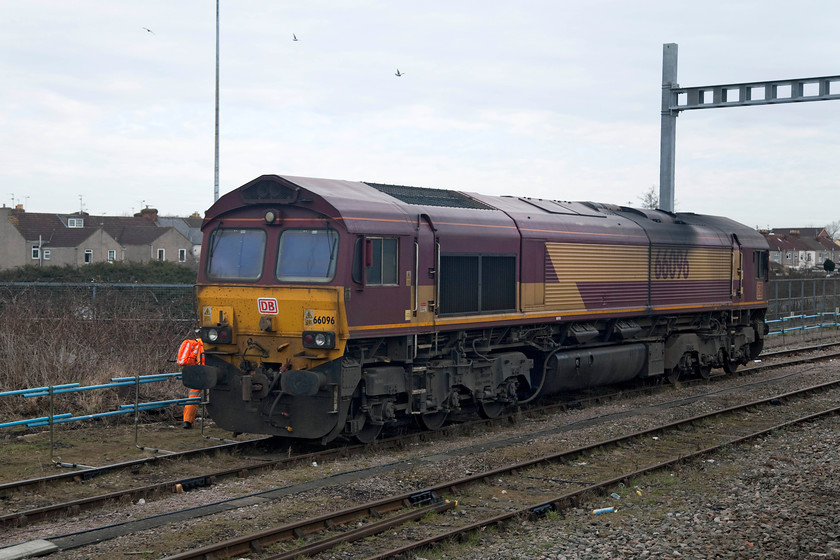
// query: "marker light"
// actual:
[[321, 340]]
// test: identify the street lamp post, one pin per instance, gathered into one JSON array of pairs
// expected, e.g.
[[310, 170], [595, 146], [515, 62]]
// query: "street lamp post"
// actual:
[[216, 175]]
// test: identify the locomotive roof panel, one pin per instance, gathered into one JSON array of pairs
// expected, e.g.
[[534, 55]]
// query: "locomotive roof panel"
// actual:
[[366, 207], [558, 207], [576, 222], [454, 214], [354, 203], [747, 236], [664, 228], [393, 209], [422, 196]]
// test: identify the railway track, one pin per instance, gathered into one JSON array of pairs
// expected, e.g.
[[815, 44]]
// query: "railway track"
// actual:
[[83, 474], [72, 508], [527, 486], [37, 489], [769, 353]]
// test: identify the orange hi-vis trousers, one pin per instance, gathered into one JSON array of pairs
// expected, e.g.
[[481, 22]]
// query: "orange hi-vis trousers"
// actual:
[[191, 352], [191, 410]]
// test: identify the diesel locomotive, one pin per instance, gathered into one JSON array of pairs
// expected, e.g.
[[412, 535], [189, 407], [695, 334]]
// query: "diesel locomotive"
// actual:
[[332, 308]]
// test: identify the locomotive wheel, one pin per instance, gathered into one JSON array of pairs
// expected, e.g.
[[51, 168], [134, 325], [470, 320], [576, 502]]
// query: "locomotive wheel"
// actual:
[[756, 348], [432, 420], [490, 409], [730, 366], [368, 433], [704, 371], [672, 375]]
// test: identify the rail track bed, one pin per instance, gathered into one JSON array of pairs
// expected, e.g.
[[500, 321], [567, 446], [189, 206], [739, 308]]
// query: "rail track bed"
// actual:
[[33, 500], [529, 489], [373, 473]]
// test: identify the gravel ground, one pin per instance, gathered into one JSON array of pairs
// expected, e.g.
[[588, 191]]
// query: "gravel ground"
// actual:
[[774, 499]]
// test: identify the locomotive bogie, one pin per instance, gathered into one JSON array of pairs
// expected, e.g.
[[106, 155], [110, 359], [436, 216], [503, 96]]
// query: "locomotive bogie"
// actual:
[[335, 308]]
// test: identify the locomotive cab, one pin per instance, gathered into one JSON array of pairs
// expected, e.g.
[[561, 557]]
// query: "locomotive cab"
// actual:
[[271, 317]]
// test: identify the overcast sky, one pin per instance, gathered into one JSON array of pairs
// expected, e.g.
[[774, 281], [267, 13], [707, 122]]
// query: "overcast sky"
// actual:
[[547, 99]]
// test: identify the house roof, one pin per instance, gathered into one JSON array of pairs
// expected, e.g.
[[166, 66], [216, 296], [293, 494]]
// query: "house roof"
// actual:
[[53, 229], [800, 239], [140, 235], [778, 243], [802, 233], [188, 227]]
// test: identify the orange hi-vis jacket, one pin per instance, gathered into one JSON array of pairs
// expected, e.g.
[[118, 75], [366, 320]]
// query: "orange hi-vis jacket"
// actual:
[[191, 353]]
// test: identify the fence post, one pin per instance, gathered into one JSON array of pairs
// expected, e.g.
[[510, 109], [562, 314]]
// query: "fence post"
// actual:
[[790, 297], [136, 407], [137, 421], [52, 438]]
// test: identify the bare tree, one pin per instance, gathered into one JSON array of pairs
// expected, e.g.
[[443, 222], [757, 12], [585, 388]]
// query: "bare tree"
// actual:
[[833, 229], [650, 199]]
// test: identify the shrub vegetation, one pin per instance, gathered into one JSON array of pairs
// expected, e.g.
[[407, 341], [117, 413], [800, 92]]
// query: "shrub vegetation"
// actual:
[[154, 272], [81, 331]]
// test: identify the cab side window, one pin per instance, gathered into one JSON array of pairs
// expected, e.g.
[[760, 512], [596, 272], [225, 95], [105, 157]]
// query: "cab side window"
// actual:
[[378, 257], [761, 264], [381, 266]]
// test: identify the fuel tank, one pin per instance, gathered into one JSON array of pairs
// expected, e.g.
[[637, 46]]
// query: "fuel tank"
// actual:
[[581, 369]]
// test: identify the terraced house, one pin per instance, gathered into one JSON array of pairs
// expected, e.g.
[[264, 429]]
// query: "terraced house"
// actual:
[[801, 248], [41, 239]]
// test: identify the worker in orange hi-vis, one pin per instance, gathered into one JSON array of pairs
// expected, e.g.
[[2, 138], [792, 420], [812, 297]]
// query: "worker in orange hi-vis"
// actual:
[[191, 352]]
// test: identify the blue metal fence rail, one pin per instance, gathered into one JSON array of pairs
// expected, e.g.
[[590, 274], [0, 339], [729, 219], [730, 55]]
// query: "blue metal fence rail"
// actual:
[[803, 323], [136, 407], [77, 387], [797, 305]]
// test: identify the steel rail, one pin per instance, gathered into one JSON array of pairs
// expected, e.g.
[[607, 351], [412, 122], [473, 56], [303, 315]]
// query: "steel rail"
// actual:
[[791, 362], [814, 347], [93, 472], [363, 532], [269, 536], [73, 507], [571, 499], [248, 543]]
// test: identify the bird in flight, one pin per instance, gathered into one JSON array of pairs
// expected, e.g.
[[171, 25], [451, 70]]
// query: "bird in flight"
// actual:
[[149, 30], [294, 37], [398, 73]]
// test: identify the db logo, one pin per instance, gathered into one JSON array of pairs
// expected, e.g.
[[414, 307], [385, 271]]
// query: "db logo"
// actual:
[[267, 306]]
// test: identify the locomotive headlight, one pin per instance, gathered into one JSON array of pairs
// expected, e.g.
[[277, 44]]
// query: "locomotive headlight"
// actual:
[[217, 335], [272, 217], [321, 340]]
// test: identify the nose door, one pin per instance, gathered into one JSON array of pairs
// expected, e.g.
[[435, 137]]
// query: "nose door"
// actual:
[[425, 282], [737, 269]]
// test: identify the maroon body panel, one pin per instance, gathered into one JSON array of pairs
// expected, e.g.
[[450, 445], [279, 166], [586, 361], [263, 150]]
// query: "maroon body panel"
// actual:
[[518, 227]]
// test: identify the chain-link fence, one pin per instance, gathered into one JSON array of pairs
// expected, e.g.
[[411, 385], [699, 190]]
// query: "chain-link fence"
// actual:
[[60, 332], [55, 333], [802, 296], [803, 307], [169, 302]]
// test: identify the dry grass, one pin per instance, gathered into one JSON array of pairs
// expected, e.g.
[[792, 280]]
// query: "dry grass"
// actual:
[[56, 336]]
